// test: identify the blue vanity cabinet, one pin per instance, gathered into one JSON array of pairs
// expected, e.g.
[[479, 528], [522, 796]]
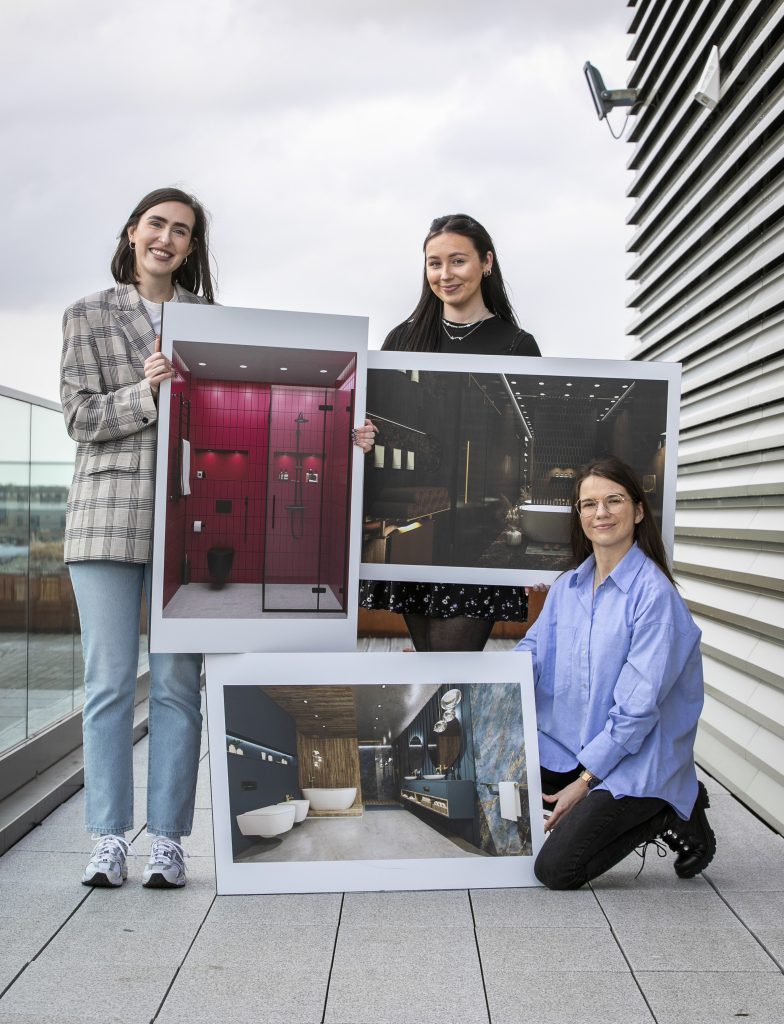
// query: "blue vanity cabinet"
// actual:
[[447, 797]]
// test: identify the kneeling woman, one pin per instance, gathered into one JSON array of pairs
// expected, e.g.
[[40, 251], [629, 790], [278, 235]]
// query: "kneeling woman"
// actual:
[[619, 690]]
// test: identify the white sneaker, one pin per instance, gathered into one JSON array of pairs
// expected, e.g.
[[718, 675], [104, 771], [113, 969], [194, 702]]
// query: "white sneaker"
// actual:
[[107, 865], [166, 867]]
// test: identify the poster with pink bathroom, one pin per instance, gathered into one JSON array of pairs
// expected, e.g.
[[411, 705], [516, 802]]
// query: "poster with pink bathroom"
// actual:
[[258, 484]]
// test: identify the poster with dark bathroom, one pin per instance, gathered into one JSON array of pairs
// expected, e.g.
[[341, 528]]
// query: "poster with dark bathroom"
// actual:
[[473, 470], [352, 772], [258, 486]]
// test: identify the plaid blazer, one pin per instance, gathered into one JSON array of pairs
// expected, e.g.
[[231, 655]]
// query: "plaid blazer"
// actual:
[[110, 411]]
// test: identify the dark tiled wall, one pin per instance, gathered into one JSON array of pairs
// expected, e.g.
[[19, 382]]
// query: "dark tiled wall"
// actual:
[[379, 780], [337, 489], [176, 505]]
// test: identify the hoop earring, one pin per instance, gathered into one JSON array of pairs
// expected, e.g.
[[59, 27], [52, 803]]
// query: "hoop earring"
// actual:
[[132, 246], [487, 273]]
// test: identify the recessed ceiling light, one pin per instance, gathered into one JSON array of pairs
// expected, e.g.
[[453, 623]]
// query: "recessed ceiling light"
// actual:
[[284, 368], [568, 384], [590, 396], [315, 716], [378, 705], [322, 371], [541, 383], [566, 394], [542, 394], [304, 701], [243, 366], [624, 385], [202, 364], [597, 385], [383, 686], [616, 396]]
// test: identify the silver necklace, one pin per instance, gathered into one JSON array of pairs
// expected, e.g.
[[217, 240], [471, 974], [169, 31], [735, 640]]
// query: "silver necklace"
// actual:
[[469, 328]]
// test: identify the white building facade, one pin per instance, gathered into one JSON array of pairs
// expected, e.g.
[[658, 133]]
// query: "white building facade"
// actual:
[[708, 268]]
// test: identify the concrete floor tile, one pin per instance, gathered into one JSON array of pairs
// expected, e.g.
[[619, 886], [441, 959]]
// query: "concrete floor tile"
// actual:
[[528, 908], [280, 976], [378, 977], [505, 951], [729, 817], [257, 917], [729, 948], [673, 910], [59, 993], [743, 865], [431, 910], [578, 998], [773, 941], [758, 909], [714, 998], [39, 891]]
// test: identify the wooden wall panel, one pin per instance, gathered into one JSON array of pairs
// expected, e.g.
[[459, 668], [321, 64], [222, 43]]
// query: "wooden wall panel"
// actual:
[[339, 766]]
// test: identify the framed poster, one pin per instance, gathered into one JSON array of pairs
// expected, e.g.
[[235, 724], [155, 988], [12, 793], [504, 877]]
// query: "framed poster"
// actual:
[[473, 470], [258, 487], [351, 772]]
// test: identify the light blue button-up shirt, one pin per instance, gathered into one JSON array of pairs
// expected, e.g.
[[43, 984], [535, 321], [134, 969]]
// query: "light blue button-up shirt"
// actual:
[[618, 678]]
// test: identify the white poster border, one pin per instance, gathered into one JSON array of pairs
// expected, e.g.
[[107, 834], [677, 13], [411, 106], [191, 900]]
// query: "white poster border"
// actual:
[[619, 369], [367, 669], [278, 631]]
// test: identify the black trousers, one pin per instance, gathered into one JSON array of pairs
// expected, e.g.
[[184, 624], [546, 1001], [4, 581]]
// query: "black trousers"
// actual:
[[596, 834]]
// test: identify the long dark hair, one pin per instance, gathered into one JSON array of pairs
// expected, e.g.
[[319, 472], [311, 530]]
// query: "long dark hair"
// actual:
[[422, 331], [646, 532], [194, 274]]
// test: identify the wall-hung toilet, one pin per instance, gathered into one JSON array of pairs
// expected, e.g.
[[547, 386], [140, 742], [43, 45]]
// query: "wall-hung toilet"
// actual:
[[267, 821], [219, 563], [300, 809]]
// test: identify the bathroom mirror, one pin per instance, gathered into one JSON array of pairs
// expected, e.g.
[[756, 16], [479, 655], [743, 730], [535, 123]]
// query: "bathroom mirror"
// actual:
[[416, 755], [443, 748]]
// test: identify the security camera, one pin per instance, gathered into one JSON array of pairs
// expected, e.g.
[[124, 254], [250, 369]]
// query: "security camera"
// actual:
[[709, 89], [605, 99]]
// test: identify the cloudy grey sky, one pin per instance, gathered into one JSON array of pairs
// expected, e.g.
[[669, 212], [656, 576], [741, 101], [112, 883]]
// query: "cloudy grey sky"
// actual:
[[323, 136]]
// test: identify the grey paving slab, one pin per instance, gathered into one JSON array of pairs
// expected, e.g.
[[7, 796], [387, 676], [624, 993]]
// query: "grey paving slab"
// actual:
[[758, 909], [773, 941], [714, 998], [668, 909], [57, 992], [387, 976], [255, 917], [505, 951], [728, 818], [39, 891], [729, 948], [533, 907], [743, 864], [409, 910], [132, 925], [576, 998], [274, 975], [203, 794]]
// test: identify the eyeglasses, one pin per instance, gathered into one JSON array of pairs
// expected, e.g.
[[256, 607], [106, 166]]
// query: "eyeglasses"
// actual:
[[613, 503]]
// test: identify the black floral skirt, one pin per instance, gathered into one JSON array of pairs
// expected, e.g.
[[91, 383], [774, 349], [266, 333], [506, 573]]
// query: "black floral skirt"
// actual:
[[445, 600]]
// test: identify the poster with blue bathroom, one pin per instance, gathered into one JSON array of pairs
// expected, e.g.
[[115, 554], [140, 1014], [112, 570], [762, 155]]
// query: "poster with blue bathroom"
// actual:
[[362, 772], [473, 469], [258, 485]]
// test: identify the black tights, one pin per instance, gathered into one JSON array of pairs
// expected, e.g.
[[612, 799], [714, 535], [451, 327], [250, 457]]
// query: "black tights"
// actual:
[[456, 634]]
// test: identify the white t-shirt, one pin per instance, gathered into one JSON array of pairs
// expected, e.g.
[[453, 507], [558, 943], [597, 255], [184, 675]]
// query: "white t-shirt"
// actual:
[[155, 310]]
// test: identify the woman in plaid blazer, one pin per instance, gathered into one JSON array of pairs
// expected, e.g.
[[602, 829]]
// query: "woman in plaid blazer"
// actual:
[[110, 374]]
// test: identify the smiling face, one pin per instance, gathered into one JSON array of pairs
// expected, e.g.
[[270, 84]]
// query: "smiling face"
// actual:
[[610, 530], [163, 238], [454, 272]]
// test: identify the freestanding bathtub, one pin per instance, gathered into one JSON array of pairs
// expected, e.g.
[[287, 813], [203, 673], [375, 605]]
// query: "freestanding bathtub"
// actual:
[[330, 799], [546, 524]]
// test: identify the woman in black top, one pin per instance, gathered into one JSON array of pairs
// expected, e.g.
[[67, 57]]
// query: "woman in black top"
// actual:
[[464, 309]]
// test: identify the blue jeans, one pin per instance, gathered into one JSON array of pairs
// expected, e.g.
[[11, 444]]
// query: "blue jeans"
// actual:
[[109, 598]]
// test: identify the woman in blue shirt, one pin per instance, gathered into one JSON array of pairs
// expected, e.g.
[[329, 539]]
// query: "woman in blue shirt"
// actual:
[[619, 690]]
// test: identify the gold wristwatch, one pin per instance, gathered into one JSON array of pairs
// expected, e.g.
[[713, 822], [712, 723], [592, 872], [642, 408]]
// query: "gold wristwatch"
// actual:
[[589, 779]]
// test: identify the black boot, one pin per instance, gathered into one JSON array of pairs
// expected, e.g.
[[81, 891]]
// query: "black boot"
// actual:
[[693, 840]]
